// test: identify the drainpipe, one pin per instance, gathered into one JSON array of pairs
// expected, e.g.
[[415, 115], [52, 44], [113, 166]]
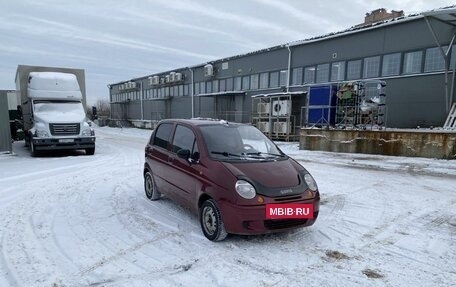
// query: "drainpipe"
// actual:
[[192, 94], [110, 101], [289, 68], [142, 106], [445, 57]]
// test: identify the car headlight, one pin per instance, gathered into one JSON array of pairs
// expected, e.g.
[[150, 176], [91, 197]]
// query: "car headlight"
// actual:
[[245, 189], [42, 134], [87, 132], [310, 181]]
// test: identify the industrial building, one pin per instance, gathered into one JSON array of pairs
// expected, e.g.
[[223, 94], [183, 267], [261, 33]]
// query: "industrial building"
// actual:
[[8, 104], [413, 57]]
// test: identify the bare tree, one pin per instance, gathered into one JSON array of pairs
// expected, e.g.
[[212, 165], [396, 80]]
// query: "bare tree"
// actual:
[[103, 108]]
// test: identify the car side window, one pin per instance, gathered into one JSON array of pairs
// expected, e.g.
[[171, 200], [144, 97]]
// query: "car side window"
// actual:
[[162, 134], [184, 138]]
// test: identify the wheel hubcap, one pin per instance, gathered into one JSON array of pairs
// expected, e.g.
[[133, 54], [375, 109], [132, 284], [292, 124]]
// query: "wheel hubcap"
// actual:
[[149, 185], [209, 220]]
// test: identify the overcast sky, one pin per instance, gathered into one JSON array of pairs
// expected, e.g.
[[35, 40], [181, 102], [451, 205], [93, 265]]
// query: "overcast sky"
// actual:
[[115, 41]]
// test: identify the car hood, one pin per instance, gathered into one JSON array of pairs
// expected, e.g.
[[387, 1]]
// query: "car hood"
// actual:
[[271, 178]]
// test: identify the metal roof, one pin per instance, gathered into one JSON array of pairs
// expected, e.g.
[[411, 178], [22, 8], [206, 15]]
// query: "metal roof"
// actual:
[[444, 14]]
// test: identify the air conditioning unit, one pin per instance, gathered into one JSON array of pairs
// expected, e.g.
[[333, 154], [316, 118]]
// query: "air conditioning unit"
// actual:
[[132, 85], [167, 79], [208, 70], [162, 80], [281, 108], [281, 127], [263, 127], [263, 108], [155, 80], [178, 77], [172, 76], [121, 87]]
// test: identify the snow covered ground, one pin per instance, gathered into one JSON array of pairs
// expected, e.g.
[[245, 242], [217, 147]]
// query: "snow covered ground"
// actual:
[[76, 220]]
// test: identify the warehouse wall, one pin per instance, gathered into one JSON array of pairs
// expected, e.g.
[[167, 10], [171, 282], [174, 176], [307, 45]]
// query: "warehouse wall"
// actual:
[[412, 100], [5, 133]]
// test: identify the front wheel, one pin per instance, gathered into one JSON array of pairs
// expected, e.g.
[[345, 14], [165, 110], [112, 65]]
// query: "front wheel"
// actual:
[[90, 151], [211, 221], [33, 151], [150, 188]]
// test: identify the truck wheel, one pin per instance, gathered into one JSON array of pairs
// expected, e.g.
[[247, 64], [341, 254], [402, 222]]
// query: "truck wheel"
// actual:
[[211, 221], [90, 151], [33, 151]]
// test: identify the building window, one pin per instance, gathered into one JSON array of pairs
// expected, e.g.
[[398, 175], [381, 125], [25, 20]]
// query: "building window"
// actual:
[[237, 83], [371, 67], [181, 90], [322, 73], [354, 70], [309, 75], [209, 87], [434, 60], [222, 84], [229, 84], [186, 92], [453, 57], [197, 88], [337, 71], [283, 78], [245, 83], [264, 80], [412, 62], [202, 87], [296, 76], [215, 86], [176, 91], [274, 80], [391, 64], [254, 82]]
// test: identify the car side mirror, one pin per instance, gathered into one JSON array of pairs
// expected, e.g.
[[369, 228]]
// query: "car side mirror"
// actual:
[[183, 153]]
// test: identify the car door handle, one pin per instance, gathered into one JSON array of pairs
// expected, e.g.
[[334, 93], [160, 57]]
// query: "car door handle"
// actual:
[[170, 158]]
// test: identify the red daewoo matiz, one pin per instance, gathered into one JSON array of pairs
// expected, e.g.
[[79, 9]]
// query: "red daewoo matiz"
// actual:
[[230, 174]]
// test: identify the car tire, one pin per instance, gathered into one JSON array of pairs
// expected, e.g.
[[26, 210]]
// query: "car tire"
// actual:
[[150, 187], [211, 221], [90, 151]]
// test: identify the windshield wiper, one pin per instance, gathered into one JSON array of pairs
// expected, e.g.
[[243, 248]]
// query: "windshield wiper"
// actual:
[[227, 154], [260, 153]]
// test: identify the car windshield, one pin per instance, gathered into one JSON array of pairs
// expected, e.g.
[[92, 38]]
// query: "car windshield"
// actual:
[[239, 142]]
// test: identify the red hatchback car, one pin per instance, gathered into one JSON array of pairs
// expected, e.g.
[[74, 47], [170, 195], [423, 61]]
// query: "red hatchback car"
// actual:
[[229, 174]]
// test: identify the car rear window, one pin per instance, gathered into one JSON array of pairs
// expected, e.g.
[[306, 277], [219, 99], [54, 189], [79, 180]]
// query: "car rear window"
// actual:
[[162, 134]]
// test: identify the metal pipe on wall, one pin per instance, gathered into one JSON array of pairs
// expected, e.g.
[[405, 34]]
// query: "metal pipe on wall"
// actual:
[[289, 68], [445, 57], [192, 94], [142, 98]]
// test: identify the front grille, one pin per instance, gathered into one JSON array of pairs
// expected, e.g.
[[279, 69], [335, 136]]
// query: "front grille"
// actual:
[[288, 198], [64, 129], [273, 224]]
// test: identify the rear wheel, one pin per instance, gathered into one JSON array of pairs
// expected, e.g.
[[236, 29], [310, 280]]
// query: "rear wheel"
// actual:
[[211, 221], [90, 151], [150, 188]]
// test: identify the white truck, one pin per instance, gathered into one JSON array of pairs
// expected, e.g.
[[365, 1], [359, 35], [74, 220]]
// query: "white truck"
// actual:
[[53, 109]]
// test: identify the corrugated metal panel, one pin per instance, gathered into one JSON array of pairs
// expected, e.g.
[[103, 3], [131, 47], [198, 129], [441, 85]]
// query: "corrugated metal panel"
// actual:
[[5, 134]]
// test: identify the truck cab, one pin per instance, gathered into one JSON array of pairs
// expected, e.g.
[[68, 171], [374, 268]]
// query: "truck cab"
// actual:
[[54, 115]]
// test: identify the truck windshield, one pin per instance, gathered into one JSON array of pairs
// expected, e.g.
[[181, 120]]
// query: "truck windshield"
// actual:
[[61, 106], [239, 142]]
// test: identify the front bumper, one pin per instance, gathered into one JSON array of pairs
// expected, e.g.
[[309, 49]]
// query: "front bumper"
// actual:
[[64, 143], [252, 219]]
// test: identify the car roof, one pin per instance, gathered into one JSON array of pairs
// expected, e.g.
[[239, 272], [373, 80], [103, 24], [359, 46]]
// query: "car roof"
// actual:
[[199, 121]]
